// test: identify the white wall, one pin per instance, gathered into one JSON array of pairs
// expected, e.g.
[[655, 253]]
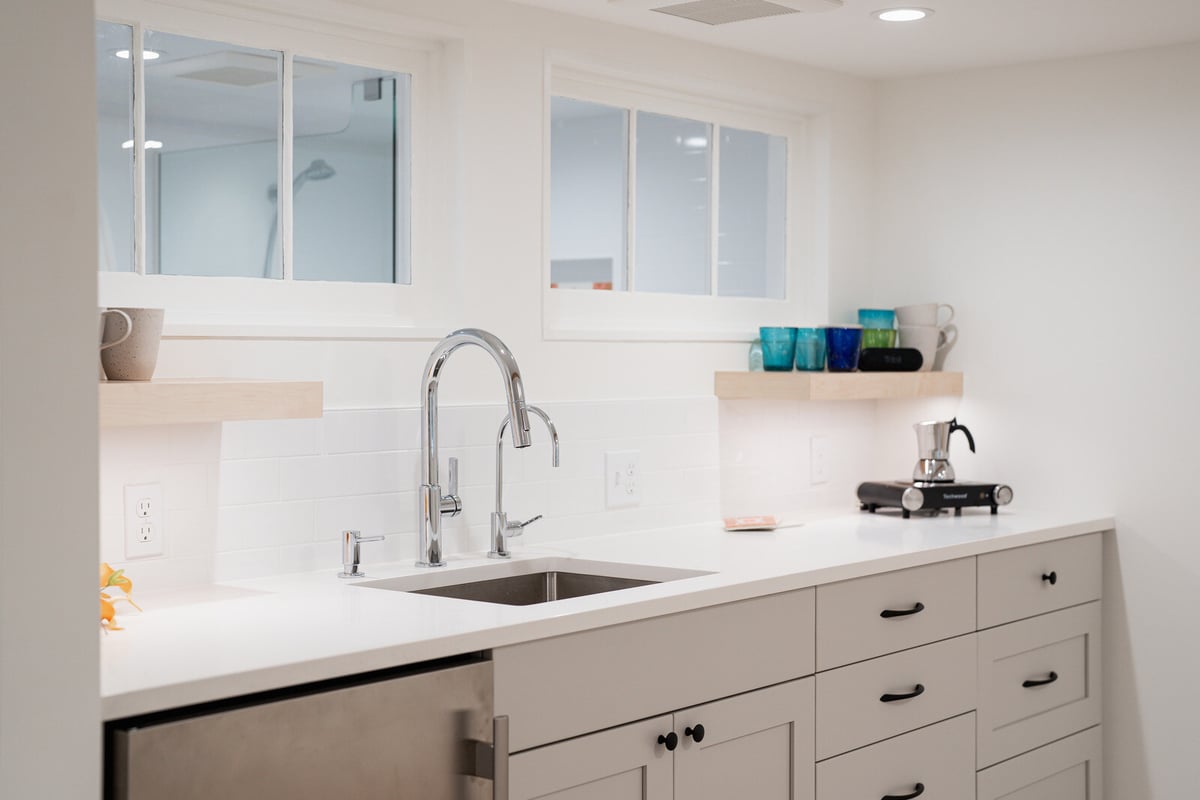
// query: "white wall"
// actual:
[[1058, 206], [49, 682]]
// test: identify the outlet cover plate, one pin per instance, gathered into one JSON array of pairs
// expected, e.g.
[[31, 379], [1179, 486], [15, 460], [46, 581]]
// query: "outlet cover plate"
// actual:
[[144, 531], [623, 478]]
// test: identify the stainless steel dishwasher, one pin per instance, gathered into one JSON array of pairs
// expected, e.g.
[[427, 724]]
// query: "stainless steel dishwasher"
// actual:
[[426, 734]]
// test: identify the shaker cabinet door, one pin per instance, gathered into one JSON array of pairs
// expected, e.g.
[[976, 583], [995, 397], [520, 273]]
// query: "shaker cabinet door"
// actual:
[[625, 763], [757, 745]]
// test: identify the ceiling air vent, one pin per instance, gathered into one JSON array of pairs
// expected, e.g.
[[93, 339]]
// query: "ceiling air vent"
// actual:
[[722, 12]]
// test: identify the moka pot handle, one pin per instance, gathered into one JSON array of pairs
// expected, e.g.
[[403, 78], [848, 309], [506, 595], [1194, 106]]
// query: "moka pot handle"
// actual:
[[954, 426]]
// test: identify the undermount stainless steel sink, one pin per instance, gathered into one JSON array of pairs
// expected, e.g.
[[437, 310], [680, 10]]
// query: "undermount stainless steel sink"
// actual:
[[533, 581]]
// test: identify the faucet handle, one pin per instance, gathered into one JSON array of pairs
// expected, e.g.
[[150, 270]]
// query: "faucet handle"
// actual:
[[517, 528], [451, 503], [453, 470]]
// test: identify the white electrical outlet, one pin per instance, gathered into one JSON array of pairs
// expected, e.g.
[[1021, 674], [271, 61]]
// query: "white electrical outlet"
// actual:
[[819, 468], [623, 478], [144, 531]]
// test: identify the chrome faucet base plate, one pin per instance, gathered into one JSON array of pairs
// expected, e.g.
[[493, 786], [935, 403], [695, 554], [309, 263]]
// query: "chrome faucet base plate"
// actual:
[[355, 574], [494, 554], [431, 563]]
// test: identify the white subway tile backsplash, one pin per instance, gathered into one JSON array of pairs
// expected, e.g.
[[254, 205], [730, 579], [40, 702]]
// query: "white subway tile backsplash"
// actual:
[[249, 481], [247, 499]]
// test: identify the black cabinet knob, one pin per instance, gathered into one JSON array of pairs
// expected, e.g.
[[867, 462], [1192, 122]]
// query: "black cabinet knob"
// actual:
[[670, 741], [918, 790], [697, 733], [1050, 577]]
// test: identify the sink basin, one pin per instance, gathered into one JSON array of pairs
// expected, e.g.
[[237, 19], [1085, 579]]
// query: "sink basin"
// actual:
[[531, 581]]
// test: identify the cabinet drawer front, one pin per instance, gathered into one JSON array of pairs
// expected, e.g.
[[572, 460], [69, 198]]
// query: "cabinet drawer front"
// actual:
[[1026, 581], [1066, 770], [852, 713], [868, 617], [1039, 680], [557, 688], [625, 763], [938, 758]]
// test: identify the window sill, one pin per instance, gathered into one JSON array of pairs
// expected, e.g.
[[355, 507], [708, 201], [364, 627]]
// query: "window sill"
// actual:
[[192, 326]]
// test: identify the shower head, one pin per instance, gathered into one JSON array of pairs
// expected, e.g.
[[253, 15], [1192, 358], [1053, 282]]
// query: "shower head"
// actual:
[[318, 170]]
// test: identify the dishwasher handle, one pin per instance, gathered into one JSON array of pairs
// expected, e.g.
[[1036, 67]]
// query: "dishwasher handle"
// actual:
[[491, 760]]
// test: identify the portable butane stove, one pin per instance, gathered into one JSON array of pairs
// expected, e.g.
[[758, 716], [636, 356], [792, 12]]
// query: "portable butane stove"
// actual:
[[933, 486], [910, 496]]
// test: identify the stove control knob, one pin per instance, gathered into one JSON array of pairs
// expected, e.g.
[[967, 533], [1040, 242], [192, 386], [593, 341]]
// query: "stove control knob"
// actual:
[[1002, 495], [912, 499]]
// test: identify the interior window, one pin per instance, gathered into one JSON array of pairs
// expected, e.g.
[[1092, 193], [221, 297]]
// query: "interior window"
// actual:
[[675, 202], [213, 202]]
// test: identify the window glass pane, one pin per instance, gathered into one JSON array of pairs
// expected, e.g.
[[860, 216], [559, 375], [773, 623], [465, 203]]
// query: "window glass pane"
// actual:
[[213, 116], [673, 214], [114, 143], [588, 195], [752, 211], [350, 184]]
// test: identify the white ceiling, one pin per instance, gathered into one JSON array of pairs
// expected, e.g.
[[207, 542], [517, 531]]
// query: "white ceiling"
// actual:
[[961, 34]]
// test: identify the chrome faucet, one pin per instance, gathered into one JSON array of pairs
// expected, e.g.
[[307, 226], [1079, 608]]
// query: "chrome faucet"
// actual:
[[352, 554], [433, 504], [501, 527]]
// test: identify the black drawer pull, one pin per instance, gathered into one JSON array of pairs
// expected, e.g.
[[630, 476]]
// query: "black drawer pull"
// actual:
[[1044, 682], [888, 613], [670, 741], [917, 691], [1050, 577], [697, 733], [918, 790]]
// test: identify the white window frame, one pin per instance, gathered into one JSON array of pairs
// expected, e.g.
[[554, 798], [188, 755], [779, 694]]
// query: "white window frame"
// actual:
[[569, 314], [246, 307]]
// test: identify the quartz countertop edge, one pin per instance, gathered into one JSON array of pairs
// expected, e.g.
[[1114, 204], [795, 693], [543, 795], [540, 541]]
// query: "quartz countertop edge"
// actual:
[[270, 633]]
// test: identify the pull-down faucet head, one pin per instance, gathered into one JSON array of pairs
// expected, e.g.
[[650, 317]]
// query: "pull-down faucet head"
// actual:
[[433, 503]]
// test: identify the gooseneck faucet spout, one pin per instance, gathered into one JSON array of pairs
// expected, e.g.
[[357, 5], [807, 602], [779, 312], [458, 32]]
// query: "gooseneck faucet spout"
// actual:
[[433, 504]]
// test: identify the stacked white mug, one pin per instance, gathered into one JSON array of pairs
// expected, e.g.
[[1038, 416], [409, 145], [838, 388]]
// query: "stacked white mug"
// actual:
[[920, 329]]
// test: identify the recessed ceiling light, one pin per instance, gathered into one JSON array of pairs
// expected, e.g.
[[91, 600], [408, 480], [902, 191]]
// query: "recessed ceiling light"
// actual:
[[902, 14], [151, 144], [147, 55]]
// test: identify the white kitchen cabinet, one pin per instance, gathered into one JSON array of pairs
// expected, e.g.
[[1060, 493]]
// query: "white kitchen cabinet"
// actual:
[[758, 744], [932, 763], [1027, 581], [1068, 769], [625, 763], [570, 685], [1039, 680]]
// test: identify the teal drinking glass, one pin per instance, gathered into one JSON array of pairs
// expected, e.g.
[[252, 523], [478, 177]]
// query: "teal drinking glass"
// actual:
[[877, 318], [779, 348], [810, 349]]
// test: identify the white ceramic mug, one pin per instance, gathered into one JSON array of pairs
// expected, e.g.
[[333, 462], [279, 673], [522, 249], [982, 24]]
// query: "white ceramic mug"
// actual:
[[128, 331], [132, 357], [924, 338], [924, 314], [946, 341]]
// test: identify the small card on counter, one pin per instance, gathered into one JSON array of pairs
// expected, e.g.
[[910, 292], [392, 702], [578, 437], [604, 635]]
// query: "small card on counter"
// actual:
[[764, 523]]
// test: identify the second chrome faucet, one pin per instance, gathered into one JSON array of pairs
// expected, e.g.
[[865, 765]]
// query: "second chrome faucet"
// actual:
[[502, 529]]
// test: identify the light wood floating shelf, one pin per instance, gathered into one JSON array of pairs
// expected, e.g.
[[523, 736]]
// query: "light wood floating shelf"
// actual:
[[172, 402], [837, 385]]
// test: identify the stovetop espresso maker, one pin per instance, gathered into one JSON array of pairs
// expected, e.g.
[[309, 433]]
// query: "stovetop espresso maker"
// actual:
[[933, 450]]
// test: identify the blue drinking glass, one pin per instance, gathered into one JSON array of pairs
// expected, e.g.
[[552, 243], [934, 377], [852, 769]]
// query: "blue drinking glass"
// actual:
[[843, 344], [877, 318], [779, 348], [810, 349]]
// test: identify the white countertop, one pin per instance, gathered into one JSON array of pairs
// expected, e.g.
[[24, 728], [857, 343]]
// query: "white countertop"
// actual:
[[250, 636]]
